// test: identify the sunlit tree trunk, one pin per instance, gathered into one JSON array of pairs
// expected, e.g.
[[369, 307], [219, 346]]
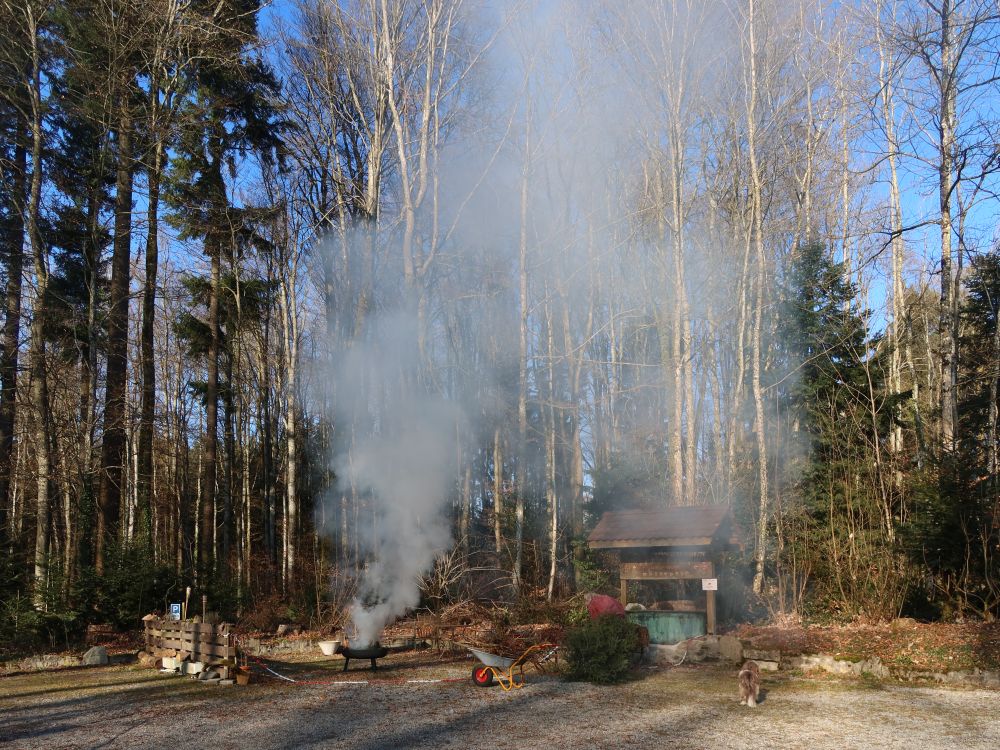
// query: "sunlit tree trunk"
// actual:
[[33, 16], [522, 348], [757, 353], [13, 257]]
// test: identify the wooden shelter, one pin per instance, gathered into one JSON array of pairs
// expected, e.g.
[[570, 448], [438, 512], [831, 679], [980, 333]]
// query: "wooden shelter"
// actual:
[[669, 544]]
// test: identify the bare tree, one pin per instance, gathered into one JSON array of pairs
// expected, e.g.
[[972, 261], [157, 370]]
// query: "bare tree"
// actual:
[[14, 182], [949, 39], [29, 19]]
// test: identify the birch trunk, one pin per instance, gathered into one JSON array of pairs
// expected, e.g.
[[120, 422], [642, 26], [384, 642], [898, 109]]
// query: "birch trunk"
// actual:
[[522, 348], [497, 491], [289, 318], [946, 148], [39, 374], [14, 257], [757, 219]]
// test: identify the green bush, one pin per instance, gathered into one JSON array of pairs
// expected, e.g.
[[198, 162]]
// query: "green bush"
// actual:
[[131, 586], [24, 629], [601, 650]]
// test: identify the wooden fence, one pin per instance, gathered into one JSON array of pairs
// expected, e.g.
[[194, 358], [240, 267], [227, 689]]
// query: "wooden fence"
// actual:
[[204, 642]]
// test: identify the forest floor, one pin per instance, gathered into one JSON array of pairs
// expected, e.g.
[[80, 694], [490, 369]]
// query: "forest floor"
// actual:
[[683, 707]]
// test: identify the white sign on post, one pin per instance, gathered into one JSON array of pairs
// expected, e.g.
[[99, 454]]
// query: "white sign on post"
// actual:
[[709, 584]]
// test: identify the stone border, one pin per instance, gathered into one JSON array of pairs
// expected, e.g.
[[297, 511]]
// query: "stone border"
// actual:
[[727, 648], [989, 678]]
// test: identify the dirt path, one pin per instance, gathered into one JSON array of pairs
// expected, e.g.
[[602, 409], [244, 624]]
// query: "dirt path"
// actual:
[[679, 708]]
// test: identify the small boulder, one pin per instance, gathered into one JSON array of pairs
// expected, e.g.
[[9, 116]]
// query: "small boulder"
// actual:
[[146, 659], [96, 656]]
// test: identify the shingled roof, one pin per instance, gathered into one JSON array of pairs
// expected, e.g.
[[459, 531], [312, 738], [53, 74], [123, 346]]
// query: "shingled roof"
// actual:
[[681, 526]]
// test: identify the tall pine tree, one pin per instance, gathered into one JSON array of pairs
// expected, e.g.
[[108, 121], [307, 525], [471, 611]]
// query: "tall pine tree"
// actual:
[[227, 118]]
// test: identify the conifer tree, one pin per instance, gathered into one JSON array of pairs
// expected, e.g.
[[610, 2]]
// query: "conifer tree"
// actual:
[[228, 114]]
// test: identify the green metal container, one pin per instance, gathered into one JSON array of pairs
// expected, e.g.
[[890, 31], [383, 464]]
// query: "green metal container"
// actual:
[[670, 627]]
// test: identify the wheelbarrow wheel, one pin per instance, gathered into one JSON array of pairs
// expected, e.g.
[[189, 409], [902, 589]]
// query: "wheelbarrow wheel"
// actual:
[[482, 676]]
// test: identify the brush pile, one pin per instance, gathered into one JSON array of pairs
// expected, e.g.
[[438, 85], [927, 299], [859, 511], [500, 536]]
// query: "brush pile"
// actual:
[[490, 628]]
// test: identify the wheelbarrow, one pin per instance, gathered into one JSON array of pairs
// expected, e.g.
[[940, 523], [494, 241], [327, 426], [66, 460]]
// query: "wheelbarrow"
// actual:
[[509, 673]]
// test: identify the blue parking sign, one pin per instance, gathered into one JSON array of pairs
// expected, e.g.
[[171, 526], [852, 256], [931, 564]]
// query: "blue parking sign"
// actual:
[[175, 611]]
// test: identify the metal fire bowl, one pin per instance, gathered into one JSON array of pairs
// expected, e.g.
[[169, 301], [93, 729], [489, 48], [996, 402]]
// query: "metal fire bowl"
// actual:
[[373, 652], [370, 652]]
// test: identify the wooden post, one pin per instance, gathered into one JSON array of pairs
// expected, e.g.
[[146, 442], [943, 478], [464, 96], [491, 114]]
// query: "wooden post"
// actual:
[[624, 595], [710, 606]]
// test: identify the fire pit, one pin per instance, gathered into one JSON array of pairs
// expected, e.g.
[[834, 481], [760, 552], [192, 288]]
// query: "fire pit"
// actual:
[[372, 652]]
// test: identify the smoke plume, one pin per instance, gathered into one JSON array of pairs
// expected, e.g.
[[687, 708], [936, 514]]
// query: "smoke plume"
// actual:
[[402, 462]]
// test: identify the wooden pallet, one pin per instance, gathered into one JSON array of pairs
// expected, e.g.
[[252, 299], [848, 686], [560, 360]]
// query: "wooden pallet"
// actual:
[[203, 641]]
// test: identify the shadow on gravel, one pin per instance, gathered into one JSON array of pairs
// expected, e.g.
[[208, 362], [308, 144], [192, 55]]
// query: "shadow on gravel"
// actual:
[[515, 720], [116, 701], [6, 695], [358, 670], [490, 722]]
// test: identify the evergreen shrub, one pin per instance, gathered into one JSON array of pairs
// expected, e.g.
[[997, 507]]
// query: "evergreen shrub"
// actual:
[[601, 650]]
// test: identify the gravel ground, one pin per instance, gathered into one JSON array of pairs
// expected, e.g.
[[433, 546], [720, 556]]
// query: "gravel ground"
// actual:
[[686, 707]]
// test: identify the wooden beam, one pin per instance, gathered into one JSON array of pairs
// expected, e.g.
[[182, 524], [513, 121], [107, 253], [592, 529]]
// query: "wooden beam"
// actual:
[[692, 541], [662, 571]]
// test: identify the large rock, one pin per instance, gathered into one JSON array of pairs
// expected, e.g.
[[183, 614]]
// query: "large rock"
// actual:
[[666, 655], [702, 648], [730, 648], [95, 657]]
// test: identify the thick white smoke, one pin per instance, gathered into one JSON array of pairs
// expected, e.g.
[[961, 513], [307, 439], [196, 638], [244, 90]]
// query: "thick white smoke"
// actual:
[[408, 469], [402, 462]]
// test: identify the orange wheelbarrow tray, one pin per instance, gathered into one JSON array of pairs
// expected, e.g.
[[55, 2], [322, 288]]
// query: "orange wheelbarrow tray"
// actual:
[[507, 672]]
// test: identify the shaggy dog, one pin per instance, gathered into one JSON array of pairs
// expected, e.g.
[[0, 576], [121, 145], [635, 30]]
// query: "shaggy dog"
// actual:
[[750, 684]]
